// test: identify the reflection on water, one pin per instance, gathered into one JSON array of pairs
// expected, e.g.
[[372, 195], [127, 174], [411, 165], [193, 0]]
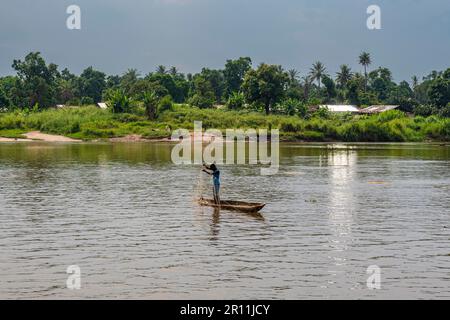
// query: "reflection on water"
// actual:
[[342, 166], [128, 217]]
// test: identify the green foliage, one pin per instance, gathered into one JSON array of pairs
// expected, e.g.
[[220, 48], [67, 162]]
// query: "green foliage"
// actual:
[[173, 84], [330, 87], [424, 110], [166, 104], [94, 123], [85, 101], [4, 100], [202, 101], [265, 85], [91, 83], [322, 113], [439, 92], [389, 116], [344, 76], [144, 105], [293, 107], [202, 94], [216, 81], [37, 81], [119, 102], [234, 73], [151, 101], [445, 111], [317, 72], [236, 101]]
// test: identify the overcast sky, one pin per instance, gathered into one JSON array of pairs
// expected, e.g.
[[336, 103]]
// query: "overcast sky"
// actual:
[[191, 34]]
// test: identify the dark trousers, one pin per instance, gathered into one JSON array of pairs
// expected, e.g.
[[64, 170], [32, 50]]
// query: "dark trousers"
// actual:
[[216, 193]]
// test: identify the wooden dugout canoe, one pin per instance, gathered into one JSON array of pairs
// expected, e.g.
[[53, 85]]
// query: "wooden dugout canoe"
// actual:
[[241, 206]]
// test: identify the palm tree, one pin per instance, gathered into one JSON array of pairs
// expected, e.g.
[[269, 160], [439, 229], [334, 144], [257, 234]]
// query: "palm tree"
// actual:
[[415, 84], [415, 81], [344, 75], [293, 76], [306, 86], [173, 71], [317, 71], [151, 104], [161, 69], [365, 61]]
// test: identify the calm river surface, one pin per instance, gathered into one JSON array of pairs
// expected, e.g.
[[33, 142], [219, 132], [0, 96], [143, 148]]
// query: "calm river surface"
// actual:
[[125, 215]]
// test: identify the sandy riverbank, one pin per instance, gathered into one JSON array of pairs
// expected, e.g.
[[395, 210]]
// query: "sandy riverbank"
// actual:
[[39, 136], [13, 140]]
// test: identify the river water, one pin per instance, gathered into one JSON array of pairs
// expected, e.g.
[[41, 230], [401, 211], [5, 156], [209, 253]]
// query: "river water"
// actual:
[[127, 217]]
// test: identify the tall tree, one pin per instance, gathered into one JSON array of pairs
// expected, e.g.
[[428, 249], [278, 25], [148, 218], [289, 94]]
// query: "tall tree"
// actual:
[[37, 80], [234, 73], [161, 69], [265, 85], [4, 100], [306, 87], [439, 92], [128, 81], [415, 81], [217, 81], [293, 76], [151, 101], [91, 84], [415, 85], [365, 60], [173, 71], [202, 94], [317, 71], [343, 76], [330, 86]]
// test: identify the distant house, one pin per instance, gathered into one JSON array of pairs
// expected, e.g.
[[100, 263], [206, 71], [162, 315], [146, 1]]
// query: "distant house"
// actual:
[[378, 109], [102, 105], [340, 108]]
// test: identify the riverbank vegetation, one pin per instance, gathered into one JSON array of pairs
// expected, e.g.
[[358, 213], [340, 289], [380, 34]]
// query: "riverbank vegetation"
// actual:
[[90, 123], [239, 95]]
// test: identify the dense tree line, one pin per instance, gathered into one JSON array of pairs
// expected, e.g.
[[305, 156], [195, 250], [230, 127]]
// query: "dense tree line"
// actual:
[[269, 88]]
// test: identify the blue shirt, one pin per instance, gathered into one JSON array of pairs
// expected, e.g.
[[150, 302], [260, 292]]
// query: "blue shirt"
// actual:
[[216, 177]]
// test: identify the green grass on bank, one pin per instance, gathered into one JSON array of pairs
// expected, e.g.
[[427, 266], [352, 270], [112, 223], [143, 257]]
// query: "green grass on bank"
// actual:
[[92, 123], [12, 133]]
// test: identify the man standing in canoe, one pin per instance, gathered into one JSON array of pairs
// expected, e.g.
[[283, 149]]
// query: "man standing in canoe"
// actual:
[[215, 173]]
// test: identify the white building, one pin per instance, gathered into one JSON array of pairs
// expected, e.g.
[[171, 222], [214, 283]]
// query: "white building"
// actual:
[[102, 105], [340, 108]]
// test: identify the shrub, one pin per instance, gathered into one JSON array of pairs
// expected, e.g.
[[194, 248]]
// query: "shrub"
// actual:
[[236, 101], [119, 102], [11, 121], [424, 110], [322, 113], [85, 101], [291, 125], [151, 104], [311, 136], [445, 111], [201, 101], [293, 107], [165, 104], [390, 115], [73, 102], [127, 117]]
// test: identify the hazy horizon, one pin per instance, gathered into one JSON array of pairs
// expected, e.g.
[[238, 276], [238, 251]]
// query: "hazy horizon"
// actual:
[[191, 34]]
